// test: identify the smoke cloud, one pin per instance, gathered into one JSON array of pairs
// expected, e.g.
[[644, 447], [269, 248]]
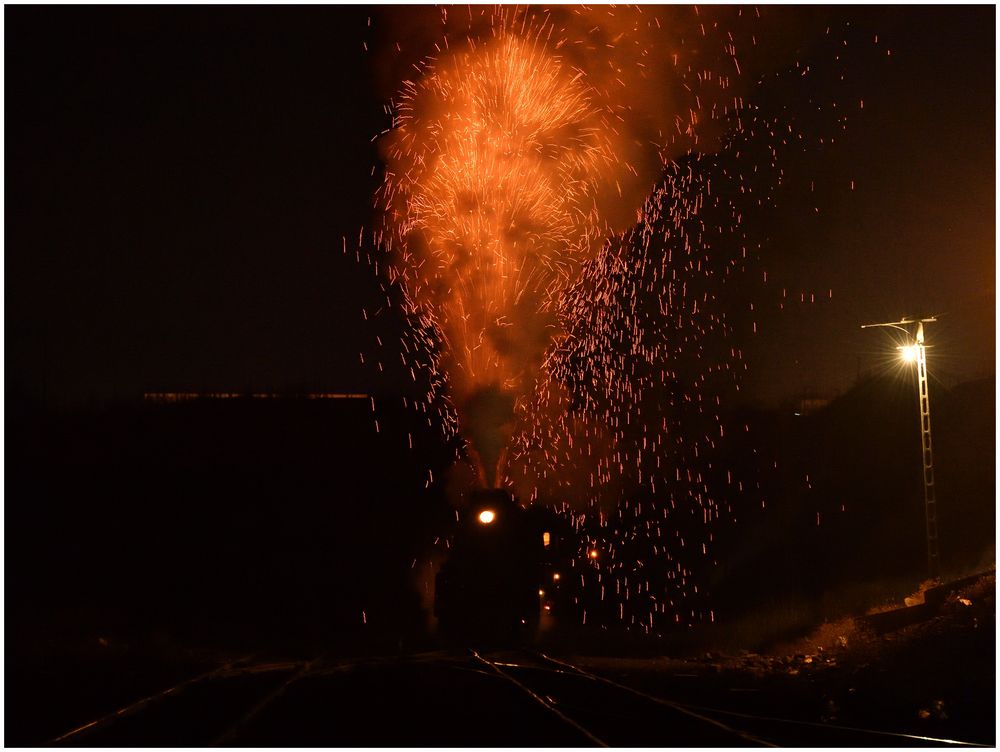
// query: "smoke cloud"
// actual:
[[522, 140]]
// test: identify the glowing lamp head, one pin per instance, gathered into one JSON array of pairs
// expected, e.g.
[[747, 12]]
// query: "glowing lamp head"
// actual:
[[593, 553], [908, 353], [487, 516]]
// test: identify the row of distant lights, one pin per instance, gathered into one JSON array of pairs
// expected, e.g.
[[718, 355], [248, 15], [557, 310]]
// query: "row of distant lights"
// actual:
[[187, 396]]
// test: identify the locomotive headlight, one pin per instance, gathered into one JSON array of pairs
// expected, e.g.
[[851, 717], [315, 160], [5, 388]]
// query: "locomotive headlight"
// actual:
[[487, 516]]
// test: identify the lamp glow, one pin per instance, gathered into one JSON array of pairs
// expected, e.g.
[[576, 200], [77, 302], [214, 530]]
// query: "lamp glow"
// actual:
[[908, 353], [487, 516]]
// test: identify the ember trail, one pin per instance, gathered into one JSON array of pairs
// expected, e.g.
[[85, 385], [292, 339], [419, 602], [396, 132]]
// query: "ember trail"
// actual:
[[483, 376], [559, 250]]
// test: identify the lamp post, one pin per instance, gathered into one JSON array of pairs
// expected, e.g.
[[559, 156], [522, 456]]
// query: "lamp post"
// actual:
[[910, 353]]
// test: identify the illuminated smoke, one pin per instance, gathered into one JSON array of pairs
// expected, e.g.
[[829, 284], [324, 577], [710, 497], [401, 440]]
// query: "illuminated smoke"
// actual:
[[496, 167], [510, 161], [564, 203]]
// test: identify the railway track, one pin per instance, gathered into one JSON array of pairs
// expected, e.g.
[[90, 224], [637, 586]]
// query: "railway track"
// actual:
[[443, 698], [616, 715], [706, 723], [81, 732]]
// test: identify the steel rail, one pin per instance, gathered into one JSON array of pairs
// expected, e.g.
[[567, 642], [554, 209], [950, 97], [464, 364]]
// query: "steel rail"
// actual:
[[237, 728], [836, 727], [660, 701], [144, 702], [541, 701], [770, 719]]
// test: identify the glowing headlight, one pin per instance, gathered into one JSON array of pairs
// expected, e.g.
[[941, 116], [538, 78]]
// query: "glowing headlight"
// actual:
[[487, 516]]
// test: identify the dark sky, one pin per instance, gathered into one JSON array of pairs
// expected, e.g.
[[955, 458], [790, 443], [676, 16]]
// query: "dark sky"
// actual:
[[179, 181], [916, 236]]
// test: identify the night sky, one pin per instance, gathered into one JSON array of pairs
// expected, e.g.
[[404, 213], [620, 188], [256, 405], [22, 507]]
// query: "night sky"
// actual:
[[180, 182]]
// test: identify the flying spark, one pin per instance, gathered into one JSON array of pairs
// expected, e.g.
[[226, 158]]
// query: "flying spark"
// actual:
[[564, 209]]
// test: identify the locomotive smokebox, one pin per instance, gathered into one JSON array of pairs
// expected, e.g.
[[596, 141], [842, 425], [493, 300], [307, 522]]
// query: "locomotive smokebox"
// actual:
[[488, 588]]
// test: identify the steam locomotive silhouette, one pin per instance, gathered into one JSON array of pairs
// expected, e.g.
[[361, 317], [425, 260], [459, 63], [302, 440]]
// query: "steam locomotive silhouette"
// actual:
[[499, 572]]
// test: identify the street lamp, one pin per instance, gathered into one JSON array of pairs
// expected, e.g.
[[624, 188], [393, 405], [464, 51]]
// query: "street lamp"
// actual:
[[912, 352]]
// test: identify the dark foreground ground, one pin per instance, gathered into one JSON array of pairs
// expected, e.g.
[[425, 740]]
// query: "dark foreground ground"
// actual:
[[857, 682], [148, 545]]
